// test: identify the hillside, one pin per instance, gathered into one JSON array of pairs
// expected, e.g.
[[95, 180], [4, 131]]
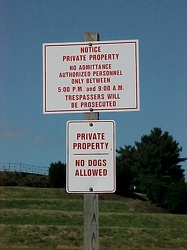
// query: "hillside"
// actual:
[[36, 218]]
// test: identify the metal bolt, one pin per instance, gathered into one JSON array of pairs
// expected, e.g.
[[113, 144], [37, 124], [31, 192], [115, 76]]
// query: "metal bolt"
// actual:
[[91, 189], [91, 124], [91, 109], [90, 44]]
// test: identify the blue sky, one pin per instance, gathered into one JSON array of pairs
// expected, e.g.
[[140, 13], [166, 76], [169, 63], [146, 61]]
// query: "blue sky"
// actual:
[[29, 136]]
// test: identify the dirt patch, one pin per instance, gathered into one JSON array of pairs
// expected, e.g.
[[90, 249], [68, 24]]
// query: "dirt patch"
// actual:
[[135, 202], [144, 206]]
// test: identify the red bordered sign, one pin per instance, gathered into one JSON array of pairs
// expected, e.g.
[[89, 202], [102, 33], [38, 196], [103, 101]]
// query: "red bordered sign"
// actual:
[[91, 157], [101, 76]]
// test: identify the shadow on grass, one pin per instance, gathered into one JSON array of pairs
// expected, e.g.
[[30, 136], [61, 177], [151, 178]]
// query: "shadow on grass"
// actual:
[[135, 196], [127, 194]]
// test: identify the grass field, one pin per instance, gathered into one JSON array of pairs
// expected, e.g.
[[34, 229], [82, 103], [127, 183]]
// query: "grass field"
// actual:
[[36, 218]]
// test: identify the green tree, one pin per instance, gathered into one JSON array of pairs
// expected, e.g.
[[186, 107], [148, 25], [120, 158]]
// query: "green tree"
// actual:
[[57, 174], [124, 162], [176, 197], [157, 164]]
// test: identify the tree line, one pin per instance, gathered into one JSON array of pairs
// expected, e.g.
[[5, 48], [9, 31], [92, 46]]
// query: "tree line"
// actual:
[[151, 166]]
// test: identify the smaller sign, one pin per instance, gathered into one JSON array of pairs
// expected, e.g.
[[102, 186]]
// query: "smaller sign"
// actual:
[[91, 162]]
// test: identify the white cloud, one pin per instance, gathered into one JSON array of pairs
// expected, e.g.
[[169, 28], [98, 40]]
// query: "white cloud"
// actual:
[[38, 140], [14, 133]]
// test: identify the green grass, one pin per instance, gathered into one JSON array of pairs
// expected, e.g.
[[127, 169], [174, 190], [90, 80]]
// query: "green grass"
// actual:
[[36, 218]]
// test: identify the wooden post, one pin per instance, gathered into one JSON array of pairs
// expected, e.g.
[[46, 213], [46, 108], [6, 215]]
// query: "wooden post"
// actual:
[[91, 212]]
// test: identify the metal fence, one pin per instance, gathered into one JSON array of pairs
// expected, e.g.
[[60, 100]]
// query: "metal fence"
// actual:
[[24, 168]]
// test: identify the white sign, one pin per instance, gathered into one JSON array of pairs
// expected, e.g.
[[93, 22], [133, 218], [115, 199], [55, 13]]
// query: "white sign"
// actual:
[[99, 76], [90, 157]]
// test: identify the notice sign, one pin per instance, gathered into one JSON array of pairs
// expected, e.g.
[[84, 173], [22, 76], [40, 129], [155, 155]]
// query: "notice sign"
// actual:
[[90, 157], [98, 76]]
